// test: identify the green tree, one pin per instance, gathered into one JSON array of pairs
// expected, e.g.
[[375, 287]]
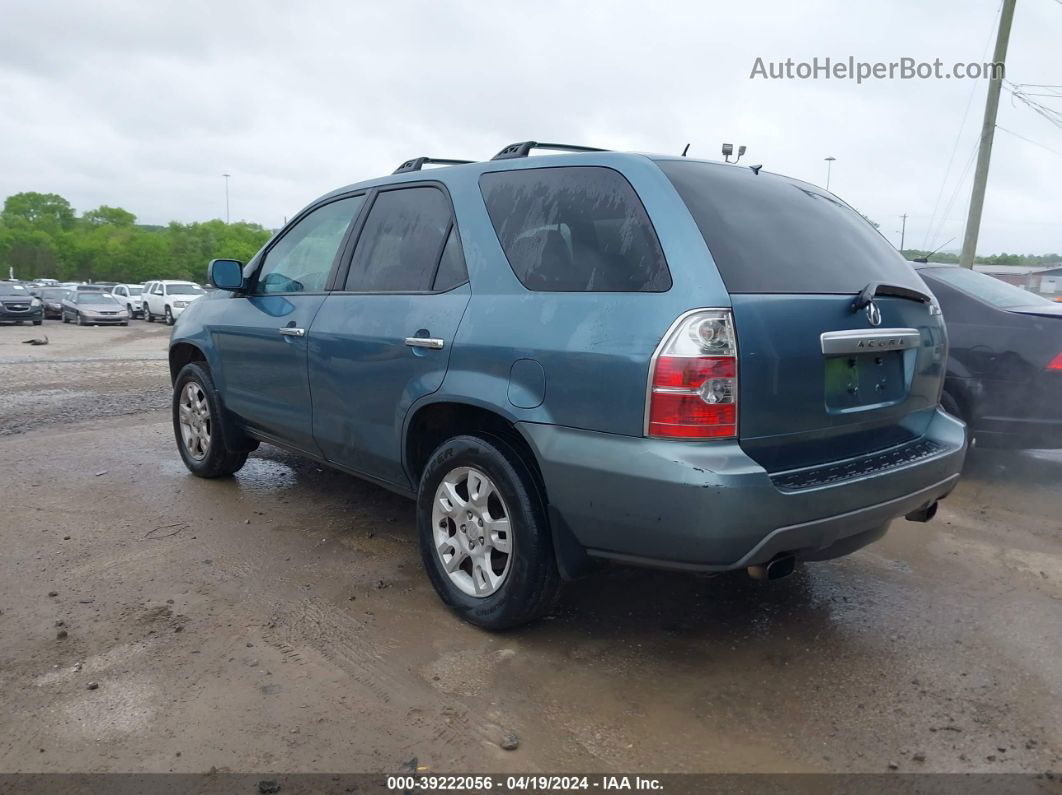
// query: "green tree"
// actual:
[[41, 210]]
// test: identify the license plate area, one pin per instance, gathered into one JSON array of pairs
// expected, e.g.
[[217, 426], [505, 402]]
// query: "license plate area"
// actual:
[[857, 381]]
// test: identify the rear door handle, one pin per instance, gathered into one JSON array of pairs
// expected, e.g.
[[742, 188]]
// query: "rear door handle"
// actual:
[[287, 331], [434, 343]]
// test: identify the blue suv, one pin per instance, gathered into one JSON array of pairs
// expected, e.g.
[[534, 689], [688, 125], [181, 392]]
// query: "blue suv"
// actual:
[[570, 358]]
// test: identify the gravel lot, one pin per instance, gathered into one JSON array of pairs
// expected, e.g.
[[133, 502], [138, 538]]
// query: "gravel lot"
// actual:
[[279, 621]]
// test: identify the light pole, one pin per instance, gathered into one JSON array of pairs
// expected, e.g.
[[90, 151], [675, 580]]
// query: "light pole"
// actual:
[[226, 176], [829, 163]]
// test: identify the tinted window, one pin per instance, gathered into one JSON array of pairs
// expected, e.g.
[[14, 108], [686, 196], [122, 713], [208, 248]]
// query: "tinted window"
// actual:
[[302, 259], [989, 289], [769, 234], [452, 270], [575, 229], [400, 245]]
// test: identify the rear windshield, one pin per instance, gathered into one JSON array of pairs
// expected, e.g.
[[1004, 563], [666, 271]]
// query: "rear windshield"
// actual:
[[769, 234], [989, 289], [135, 290]]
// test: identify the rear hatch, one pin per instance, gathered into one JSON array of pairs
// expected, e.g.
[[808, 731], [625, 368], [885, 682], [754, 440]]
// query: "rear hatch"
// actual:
[[841, 351]]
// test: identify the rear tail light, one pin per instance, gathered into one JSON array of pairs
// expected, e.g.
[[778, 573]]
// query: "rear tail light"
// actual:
[[1056, 363], [693, 379]]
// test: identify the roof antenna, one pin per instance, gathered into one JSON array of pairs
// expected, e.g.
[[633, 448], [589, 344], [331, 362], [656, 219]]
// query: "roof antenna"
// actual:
[[685, 150], [756, 168], [925, 258]]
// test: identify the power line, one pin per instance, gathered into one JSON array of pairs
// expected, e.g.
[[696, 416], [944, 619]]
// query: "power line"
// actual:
[[1029, 140]]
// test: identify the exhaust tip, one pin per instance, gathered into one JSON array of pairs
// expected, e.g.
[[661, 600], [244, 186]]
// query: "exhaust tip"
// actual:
[[781, 566], [923, 514]]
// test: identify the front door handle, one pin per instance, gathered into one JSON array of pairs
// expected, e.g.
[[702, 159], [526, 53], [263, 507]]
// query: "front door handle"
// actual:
[[434, 343], [287, 331]]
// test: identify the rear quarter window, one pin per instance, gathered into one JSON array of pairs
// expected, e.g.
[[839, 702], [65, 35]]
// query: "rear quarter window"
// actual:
[[770, 234], [574, 229]]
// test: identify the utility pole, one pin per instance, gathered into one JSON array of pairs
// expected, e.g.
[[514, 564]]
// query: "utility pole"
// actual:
[[988, 130], [226, 176], [903, 230]]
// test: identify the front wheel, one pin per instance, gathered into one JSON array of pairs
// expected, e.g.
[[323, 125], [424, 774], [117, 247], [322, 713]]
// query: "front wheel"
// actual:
[[169, 317], [37, 322], [197, 424], [150, 318], [484, 535]]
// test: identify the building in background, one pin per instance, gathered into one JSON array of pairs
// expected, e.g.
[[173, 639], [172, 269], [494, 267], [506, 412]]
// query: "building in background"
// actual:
[[1045, 280]]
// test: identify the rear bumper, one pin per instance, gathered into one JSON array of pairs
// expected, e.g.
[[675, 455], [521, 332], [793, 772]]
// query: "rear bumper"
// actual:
[[709, 507]]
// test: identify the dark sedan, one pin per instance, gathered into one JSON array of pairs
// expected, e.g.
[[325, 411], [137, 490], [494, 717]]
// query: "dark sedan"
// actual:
[[18, 305], [52, 298], [93, 308], [1005, 365]]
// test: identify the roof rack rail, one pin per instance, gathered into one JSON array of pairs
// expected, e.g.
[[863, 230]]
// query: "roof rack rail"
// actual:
[[417, 163], [523, 149]]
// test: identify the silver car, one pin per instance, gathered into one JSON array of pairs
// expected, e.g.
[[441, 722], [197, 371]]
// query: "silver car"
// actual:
[[93, 308]]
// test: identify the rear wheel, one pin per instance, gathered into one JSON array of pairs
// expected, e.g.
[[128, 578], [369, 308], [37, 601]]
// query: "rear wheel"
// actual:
[[37, 322], [198, 425], [66, 317], [80, 320], [484, 536]]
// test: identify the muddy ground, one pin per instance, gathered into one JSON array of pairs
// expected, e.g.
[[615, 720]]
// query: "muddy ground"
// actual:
[[279, 621]]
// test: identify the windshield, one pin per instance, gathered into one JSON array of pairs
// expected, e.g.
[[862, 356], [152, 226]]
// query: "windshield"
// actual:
[[94, 298], [989, 289], [13, 289], [184, 289], [771, 234]]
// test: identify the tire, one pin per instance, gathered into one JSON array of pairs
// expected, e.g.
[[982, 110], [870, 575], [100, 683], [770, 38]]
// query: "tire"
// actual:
[[79, 320], [169, 317], [530, 582], [150, 318], [66, 317], [125, 323], [215, 459], [37, 322]]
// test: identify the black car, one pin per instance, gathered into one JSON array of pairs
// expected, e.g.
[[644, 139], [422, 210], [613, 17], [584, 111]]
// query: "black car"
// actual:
[[17, 305], [52, 298], [1004, 373]]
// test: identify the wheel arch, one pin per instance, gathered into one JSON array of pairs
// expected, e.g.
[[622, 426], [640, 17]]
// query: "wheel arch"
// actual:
[[430, 424]]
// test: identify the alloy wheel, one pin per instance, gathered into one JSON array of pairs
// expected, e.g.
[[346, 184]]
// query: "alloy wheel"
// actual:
[[196, 423], [471, 531]]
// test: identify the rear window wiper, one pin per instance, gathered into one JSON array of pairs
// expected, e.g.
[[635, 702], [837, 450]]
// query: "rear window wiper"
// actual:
[[873, 289]]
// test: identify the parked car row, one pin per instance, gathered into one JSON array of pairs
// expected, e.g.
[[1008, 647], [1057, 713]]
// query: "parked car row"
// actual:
[[98, 303]]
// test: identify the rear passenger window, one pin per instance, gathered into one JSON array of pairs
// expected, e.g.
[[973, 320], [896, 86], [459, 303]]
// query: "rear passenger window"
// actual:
[[399, 248], [575, 229]]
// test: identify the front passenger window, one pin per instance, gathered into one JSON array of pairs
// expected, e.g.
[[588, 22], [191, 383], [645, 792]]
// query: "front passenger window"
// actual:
[[302, 259]]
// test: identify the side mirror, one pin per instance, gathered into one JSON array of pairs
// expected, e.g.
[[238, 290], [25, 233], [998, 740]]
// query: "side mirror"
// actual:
[[225, 274]]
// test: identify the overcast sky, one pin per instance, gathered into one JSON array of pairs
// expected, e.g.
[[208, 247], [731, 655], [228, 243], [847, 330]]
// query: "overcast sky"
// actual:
[[145, 105]]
